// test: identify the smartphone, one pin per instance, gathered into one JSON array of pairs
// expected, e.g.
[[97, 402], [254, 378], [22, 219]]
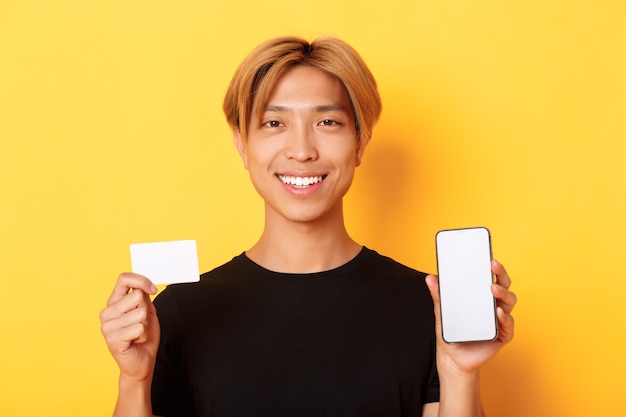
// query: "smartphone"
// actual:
[[468, 308]]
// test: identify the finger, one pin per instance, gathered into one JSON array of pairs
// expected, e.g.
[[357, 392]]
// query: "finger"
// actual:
[[137, 315], [432, 282], [128, 281], [132, 300], [132, 327], [122, 339], [505, 298], [506, 326], [502, 277]]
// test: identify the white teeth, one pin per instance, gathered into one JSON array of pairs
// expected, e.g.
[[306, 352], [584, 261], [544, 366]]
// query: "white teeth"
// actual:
[[300, 182]]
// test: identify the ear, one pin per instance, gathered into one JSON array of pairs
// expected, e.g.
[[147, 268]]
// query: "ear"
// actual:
[[241, 147], [361, 151]]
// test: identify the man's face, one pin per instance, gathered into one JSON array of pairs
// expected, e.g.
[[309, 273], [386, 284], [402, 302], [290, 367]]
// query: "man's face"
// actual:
[[302, 154]]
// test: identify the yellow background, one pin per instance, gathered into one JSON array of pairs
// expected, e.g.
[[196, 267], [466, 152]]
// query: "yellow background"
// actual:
[[509, 114]]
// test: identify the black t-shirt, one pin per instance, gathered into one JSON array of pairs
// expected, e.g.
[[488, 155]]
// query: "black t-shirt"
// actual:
[[357, 340]]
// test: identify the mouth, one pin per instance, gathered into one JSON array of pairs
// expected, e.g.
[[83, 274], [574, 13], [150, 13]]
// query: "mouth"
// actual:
[[301, 182]]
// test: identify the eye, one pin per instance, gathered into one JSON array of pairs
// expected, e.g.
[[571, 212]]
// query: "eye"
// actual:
[[328, 122], [272, 123]]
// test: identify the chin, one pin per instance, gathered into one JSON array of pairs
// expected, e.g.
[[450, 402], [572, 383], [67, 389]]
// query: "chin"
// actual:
[[307, 216]]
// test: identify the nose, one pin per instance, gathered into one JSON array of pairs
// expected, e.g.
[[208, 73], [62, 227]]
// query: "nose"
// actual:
[[301, 144]]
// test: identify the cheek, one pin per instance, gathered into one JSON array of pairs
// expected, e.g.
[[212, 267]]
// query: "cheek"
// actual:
[[258, 159], [350, 155]]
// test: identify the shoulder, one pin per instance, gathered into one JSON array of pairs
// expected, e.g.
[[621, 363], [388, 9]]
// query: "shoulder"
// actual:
[[382, 264], [396, 291], [391, 277]]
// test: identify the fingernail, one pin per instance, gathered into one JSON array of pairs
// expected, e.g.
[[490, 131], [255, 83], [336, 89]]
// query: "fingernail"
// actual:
[[153, 289]]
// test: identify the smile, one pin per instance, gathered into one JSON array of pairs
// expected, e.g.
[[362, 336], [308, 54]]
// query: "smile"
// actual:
[[300, 182]]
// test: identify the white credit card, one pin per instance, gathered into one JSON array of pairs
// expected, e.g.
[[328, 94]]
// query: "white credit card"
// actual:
[[166, 262]]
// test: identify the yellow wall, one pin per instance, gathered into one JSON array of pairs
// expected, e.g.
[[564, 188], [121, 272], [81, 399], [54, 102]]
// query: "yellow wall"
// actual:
[[509, 114]]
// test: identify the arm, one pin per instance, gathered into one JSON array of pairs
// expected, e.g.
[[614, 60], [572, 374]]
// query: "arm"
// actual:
[[459, 364], [131, 329], [133, 399]]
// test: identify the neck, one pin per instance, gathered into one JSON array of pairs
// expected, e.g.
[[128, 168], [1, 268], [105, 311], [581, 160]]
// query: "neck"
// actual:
[[304, 247]]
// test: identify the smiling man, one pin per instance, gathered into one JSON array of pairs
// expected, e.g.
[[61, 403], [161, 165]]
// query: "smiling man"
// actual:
[[307, 322], [301, 152]]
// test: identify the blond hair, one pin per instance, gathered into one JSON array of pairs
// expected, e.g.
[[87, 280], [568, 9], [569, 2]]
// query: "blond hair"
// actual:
[[260, 70]]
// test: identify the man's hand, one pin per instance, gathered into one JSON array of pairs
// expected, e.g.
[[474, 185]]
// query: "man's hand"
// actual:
[[469, 357], [131, 328]]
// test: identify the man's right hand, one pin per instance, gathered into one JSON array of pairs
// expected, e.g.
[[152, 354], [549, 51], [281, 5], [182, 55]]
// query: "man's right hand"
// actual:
[[131, 328]]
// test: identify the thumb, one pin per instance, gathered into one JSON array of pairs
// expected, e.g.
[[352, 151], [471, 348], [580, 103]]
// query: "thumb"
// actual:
[[432, 282]]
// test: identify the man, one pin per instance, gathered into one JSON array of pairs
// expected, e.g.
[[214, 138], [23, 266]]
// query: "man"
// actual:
[[307, 322]]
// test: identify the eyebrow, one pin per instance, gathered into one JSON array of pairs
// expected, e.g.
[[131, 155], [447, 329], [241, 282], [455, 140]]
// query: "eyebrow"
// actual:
[[317, 109]]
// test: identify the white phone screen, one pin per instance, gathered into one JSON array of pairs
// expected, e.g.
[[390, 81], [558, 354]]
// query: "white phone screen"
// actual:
[[467, 305]]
